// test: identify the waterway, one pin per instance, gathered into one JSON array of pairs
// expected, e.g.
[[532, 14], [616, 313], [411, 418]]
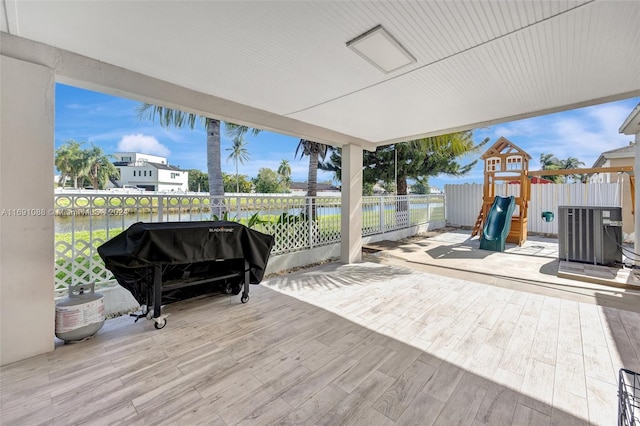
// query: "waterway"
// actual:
[[65, 224]]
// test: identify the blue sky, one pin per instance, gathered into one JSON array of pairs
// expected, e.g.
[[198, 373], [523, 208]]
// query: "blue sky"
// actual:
[[112, 123]]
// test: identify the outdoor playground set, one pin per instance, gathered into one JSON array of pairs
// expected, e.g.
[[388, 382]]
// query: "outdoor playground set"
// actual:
[[504, 219]]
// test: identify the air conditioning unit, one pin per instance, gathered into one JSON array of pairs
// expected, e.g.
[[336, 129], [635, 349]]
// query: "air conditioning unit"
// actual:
[[590, 234]]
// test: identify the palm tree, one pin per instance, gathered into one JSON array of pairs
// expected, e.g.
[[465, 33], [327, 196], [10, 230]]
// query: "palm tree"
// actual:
[[99, 167], [572, 163], [171, 117], [315, 151], [550, 162], [63, 158], [440, 155], [71, 162], [239, 153], [237, 131], [284, 171]]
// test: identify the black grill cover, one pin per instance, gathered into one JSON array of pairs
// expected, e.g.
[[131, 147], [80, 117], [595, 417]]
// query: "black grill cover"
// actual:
[[211, 246]]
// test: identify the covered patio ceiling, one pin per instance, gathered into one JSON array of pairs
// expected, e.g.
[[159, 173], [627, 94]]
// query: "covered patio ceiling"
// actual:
[[477, 63]]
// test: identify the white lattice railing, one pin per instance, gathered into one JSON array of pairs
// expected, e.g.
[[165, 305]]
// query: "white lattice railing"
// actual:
[[85, 220], [400, 212]]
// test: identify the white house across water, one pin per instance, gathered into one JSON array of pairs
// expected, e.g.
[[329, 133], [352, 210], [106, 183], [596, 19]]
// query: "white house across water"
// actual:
[[149, 172]]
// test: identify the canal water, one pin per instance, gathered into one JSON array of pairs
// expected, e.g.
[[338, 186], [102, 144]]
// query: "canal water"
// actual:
[[65, 224]]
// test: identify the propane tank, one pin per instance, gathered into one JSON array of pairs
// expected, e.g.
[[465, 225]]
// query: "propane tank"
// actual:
[[81, 315]]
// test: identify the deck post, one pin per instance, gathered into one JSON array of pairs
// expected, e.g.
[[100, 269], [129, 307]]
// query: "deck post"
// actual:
[[631, 126], [636, 230], [27, 308], [351, 217]]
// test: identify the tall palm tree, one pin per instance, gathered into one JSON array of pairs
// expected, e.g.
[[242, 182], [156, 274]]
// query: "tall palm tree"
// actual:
[[168, 117], [315, 151], [239, 153], [284, 171]]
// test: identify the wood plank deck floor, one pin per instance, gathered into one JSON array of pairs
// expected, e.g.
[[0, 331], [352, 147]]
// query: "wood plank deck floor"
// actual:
[[364, 344]]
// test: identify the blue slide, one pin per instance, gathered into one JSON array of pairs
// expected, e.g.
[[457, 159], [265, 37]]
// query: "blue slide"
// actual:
[[498, 224]]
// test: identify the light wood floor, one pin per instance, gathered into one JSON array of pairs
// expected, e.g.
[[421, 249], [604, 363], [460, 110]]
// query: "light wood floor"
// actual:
[[365, 344]]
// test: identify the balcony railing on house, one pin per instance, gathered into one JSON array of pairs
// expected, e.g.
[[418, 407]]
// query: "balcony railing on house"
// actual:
[[85, 220]]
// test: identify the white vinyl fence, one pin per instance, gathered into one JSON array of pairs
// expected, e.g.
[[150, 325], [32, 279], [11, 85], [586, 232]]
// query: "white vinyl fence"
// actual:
[[463, 202]]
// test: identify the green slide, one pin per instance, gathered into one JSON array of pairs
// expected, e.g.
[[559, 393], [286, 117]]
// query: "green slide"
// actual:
[[498, 224]]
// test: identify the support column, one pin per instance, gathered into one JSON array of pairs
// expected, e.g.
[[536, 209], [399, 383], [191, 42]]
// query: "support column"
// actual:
[[351, 218], [636, 215], [27, 309]]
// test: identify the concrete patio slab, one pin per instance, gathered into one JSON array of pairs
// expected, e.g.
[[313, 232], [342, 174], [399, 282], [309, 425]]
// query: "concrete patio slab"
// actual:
[[536, 260]]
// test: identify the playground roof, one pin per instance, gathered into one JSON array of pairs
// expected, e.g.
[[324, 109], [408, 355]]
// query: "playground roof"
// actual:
[[504, 148]]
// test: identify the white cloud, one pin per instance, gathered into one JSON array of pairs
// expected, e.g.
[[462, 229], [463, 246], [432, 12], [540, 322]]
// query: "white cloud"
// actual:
[[516, 128], [584, 136], [609, 116], [582, 133], [143, 144]]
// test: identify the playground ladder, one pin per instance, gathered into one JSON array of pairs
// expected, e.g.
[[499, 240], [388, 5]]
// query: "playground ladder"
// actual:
[[478, 226]]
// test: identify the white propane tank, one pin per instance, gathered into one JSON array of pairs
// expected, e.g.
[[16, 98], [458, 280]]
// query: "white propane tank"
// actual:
[[81, 315]]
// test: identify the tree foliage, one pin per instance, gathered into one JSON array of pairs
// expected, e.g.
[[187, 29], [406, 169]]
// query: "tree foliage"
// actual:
[[99, 168], [237, 183], [77, 163], [69, 160], [198, 181], [573, 163], [551, 162], [420, 188], [267, 182], [367, 188], [236, 131], [418, 159]]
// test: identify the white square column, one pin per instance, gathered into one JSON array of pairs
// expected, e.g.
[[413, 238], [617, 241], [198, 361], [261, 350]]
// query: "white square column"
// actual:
[[636, 207], [631, 126], [27, 309], [351, 217]]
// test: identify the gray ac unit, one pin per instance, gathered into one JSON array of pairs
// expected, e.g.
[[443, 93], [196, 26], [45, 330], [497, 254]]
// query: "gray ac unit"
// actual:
[[591, 234]]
